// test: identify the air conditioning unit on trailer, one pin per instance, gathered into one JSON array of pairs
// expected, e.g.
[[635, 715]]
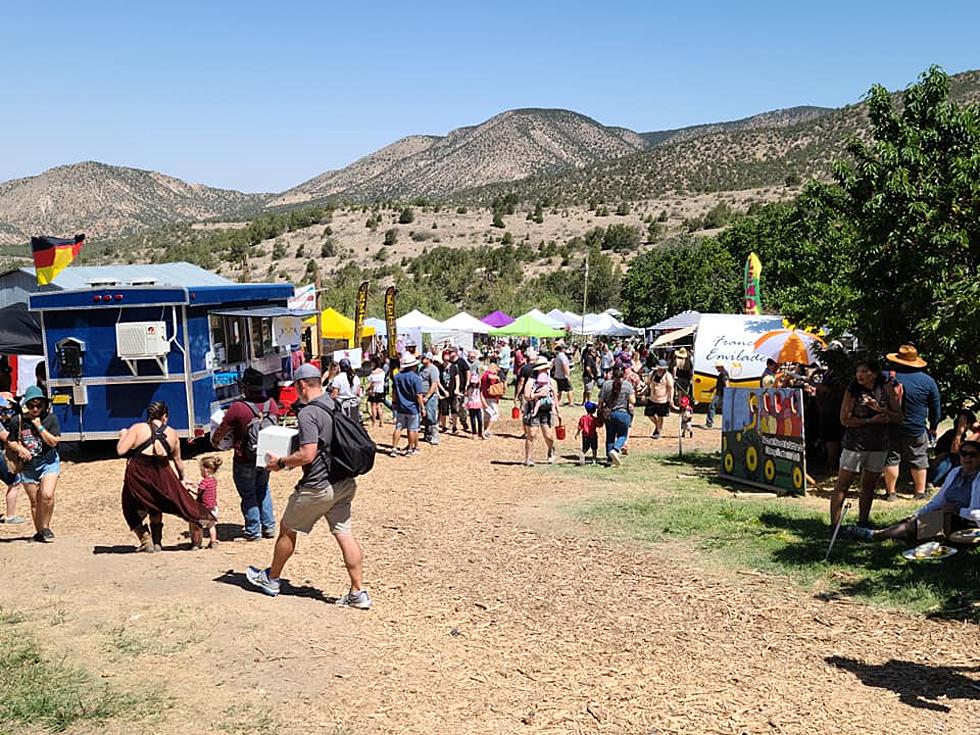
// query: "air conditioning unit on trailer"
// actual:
[[142, 341]]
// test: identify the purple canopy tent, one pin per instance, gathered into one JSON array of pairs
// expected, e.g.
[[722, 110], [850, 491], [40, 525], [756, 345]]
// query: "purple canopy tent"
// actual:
[[497, 319]]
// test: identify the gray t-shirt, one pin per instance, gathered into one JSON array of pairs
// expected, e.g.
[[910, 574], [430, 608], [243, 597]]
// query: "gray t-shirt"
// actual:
[[316, 427], [622, 400], [562, 367], [430, 376]]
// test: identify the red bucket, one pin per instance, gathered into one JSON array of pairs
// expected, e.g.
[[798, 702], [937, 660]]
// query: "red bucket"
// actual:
[[515, 413], [560, 432]]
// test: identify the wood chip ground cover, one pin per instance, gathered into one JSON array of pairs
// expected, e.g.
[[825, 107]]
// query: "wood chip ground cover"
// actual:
[[495, 612]]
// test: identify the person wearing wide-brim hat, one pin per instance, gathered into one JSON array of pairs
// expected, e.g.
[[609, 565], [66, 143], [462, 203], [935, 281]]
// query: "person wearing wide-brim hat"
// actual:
[[682, 368], [922, 409], [34, 437], [540, 410], [409, 405]]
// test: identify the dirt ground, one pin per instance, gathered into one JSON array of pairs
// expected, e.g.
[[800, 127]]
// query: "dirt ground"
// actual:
[[494, 613]]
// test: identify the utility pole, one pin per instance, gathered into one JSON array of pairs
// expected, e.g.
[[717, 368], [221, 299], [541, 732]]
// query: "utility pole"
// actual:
[[585, 291]]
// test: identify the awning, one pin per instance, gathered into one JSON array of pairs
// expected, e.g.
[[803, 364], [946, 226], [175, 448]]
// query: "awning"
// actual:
[[20, 334], [678, 321], [265, 312], [665, 339]]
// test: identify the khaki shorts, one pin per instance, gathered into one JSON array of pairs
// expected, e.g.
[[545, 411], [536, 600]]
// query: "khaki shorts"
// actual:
[[856, 461], [308, 505]]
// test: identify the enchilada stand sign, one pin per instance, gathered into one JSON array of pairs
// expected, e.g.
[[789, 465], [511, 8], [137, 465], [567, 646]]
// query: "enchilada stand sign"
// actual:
[[762, 442]]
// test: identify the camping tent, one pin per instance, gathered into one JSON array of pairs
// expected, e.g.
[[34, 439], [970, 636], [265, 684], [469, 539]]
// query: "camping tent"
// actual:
[[540, 316], [527, 326], [334, 325], [20, 334], [559, 316], [497, 319]]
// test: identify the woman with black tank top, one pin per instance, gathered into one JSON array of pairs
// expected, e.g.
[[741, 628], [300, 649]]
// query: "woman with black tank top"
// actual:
[[869, 406], [151, 487]]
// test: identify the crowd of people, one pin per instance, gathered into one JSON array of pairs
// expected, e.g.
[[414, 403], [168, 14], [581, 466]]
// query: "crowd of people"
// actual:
[[867, 427]]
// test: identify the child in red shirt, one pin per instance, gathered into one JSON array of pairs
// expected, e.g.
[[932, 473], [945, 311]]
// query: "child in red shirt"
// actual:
[[207, 494], [589, 431]]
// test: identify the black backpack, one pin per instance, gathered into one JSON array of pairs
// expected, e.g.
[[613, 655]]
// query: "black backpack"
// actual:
[[260, 420], [352, 450]]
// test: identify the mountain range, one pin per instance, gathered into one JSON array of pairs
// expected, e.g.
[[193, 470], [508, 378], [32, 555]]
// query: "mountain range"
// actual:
[[537, 154]]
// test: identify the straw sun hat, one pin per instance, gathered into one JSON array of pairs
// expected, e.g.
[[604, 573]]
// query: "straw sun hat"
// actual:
[[907, 355]]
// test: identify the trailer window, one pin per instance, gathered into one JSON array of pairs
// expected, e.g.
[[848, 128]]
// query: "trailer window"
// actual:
[[234, 328]]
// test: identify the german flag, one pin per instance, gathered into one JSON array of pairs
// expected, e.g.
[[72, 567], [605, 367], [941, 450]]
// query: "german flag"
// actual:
[[52, 255]]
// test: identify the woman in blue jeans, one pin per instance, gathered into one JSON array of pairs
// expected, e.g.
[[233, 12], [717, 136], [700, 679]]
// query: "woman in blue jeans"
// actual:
[[617, 401]]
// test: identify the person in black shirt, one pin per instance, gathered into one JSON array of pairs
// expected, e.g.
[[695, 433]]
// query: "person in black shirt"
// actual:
[[719, 394]]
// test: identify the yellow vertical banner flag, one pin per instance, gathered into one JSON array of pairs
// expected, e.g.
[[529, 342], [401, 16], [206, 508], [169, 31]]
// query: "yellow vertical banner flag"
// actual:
[[753, 284], [390, 322], [360, 310]]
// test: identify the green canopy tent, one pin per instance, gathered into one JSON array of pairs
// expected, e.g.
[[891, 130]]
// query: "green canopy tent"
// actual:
[[527, 326]]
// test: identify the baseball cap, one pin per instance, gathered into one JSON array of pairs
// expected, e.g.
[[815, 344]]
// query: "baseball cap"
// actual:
[[306, 371]]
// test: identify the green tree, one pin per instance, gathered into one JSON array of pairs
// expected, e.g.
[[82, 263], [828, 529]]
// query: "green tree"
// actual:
[[621, 238], [498, 221], [685, 273], [912, 196], [391, 237], [623, 209], [406, 216]]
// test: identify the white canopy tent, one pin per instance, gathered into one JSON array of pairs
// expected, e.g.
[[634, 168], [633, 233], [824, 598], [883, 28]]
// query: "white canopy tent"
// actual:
[[465, 322], [413, 325], [460, 329], [604, 325], [540, 316]]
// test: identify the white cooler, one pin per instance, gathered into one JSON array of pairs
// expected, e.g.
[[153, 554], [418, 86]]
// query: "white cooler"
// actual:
[[277, 440]]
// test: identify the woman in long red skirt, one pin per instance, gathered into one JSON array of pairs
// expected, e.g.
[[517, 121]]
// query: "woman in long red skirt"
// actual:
[[153, 484]]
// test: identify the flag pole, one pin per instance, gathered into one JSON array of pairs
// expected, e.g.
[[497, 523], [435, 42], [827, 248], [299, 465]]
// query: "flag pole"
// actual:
[[585, 292], [319, 316]]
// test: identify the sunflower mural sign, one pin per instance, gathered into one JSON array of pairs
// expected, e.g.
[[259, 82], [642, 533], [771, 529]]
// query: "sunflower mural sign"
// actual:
[[762, 442]]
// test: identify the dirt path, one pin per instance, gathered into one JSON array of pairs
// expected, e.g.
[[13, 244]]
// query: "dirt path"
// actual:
[[493, 614]]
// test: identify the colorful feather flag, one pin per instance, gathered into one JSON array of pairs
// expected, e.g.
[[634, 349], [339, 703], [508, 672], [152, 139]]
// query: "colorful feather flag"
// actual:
[[753, 283], [52, 255]]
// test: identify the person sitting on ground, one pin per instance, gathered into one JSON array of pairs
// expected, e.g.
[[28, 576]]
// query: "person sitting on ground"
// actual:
[[948, 445], [956, 506], [588, 429]]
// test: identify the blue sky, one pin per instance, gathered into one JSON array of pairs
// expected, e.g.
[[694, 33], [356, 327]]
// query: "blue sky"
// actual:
[[260, 96]]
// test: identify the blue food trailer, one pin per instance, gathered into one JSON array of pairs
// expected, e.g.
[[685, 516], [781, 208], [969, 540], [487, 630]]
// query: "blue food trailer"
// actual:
[[112, 349]]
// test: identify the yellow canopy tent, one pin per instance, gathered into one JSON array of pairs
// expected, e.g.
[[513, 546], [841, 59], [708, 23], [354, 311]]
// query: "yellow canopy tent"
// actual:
[[334, 325]]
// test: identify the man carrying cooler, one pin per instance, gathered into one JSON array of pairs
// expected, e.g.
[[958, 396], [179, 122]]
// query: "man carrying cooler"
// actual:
[[315, 496]]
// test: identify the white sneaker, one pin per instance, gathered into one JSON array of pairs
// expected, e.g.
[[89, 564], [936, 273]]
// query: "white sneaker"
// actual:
[[552, 457], [260, 578], [614, 458], [360, 600]]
